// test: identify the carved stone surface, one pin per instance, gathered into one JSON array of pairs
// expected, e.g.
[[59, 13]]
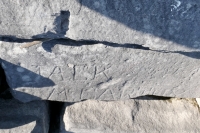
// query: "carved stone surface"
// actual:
[[141, 115], [65, 70], [102, 50], [17, 117]]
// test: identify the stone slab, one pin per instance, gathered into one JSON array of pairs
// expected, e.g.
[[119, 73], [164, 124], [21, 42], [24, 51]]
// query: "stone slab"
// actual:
[[17, 117], [66, 70], [161, 25], [34, 18], [164, 25], [141, 115]]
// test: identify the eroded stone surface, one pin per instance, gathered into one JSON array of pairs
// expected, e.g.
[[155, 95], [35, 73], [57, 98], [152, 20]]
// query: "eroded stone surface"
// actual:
[[75, 71], [161, 25], [34, 18], [142, 115], [17, 117]]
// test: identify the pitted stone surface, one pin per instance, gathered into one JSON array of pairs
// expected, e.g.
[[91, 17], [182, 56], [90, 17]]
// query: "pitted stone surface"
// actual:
[[34, 18], [17, 117], [161, 25], [74, 71], [141, 115]]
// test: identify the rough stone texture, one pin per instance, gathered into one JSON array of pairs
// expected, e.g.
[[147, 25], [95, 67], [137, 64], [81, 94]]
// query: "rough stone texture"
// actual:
[[157, 24], [121, 49], [162, 25], [17, 117], [74, 71], [142, 115], [34, 18]]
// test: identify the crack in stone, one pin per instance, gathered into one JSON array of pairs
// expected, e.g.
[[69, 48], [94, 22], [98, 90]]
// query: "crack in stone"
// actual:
[[78, 43]]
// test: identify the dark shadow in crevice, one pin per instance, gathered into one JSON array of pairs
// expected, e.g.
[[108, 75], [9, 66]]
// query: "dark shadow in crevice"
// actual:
[[3, 83], [6, 94], [15, 39], [4, 88], [48, 45], [62, 123], [152, 97], [55, 109]]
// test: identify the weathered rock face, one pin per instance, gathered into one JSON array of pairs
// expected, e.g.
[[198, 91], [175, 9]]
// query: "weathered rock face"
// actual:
[[142, 115], [100, 50], [16, 117], [157, 24], [162, 25], [35, 18], [134, 65], [99, 71]]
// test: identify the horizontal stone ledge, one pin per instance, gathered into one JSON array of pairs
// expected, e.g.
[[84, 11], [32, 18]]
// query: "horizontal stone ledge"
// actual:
[[163, 25], [64, 70], [144, 114]]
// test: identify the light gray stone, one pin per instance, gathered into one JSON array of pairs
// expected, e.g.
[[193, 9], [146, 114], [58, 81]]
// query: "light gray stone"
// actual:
[[161, 25], [34, 18], [74, 71], [17, 117], [157, 24], [141, 115]]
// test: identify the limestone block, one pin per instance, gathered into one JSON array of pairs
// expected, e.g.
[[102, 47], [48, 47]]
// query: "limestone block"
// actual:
[[17, 117], [164, 25], [141, 115], [34, 18], [66, 70]]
